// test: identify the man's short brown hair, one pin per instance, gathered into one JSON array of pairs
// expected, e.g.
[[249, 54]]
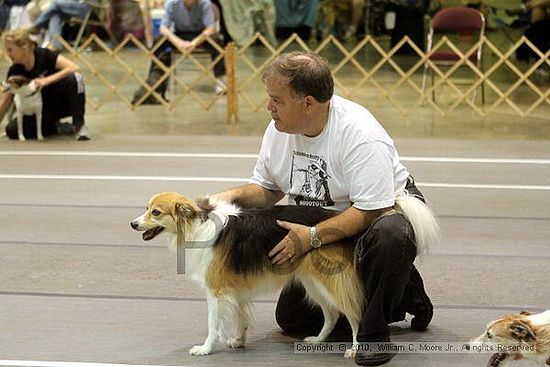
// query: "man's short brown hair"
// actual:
[[308, 74]]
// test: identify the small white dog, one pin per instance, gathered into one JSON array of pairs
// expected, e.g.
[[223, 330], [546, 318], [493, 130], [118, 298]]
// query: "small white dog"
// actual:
[[519, 336], [28, 102]]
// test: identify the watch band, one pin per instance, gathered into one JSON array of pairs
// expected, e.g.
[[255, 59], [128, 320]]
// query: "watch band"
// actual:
[[314, 239]]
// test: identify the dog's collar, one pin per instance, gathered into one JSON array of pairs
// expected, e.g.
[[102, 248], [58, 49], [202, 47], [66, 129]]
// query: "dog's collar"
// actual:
[[32, 94]]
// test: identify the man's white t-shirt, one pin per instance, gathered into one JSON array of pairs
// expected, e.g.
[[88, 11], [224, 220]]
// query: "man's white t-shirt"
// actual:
[[353, 162]]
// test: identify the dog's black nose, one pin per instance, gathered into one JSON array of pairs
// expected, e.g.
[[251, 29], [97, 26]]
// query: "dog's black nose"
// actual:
[[134, 225]]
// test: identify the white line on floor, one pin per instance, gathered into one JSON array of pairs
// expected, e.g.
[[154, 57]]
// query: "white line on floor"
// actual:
[[244, 180], [122, 178], [126, 154], [253, 156], [485, 186], [70, 364]]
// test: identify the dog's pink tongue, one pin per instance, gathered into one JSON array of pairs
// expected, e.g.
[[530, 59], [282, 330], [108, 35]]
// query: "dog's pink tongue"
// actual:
[[151, 233]]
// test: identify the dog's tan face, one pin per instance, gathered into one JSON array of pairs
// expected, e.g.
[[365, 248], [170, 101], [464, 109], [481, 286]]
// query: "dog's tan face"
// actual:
[[510, 330], [168, 211]]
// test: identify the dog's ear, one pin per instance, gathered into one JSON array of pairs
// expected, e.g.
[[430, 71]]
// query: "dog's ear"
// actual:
[[185, 210], [525, 313], [184, 213], [522, 331]]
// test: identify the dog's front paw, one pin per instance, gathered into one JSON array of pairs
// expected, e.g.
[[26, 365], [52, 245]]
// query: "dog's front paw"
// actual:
[[235, 343], [497, 359], [22, 138], [200, 350], [40, 137], [312, 339], [350, 353]]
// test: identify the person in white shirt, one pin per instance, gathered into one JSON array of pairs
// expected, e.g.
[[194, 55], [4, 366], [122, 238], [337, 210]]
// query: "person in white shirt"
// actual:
[[323, 150]]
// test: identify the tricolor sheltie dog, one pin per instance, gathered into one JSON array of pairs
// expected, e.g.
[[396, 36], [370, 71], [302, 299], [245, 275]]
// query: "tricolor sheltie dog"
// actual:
[[227, 247], [519, 336]]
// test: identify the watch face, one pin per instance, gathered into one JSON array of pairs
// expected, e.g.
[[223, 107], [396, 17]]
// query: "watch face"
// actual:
[[313, 239], [315, 243]]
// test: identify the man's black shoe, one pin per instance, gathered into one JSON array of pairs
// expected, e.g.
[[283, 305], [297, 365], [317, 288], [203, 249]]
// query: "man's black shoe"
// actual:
[[418, 303], [421, 320], [372, 358], [423, 312]]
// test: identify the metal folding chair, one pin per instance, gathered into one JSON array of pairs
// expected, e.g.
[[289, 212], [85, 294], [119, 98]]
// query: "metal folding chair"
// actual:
[[462, 21]]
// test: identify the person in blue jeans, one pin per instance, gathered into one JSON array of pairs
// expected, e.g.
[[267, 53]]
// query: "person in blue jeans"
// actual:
[[183, 24], [55, 15]]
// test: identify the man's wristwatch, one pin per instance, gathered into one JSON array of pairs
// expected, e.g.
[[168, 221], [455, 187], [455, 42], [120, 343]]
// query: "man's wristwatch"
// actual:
[[314, 240]]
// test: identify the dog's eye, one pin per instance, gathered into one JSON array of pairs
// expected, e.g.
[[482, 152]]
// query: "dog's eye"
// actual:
[[155, 212]]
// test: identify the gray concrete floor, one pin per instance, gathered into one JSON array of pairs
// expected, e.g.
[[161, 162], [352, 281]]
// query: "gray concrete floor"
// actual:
[[78, 285]]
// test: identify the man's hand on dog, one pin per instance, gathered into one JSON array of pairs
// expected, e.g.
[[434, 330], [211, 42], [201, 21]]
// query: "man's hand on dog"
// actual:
[[293, 246]]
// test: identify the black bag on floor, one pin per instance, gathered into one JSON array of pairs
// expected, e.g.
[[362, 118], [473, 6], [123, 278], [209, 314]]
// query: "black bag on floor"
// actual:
[[155, 74]]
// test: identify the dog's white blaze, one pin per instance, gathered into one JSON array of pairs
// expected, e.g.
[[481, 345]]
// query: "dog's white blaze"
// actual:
[[140, 221], [540, 319]]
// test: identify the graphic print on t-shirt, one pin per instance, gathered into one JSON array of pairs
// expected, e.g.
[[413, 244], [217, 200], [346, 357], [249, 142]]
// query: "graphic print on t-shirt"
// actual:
[[309, 180]]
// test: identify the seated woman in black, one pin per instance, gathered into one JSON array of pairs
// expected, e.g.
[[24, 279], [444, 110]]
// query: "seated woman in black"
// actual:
[[61, 86]]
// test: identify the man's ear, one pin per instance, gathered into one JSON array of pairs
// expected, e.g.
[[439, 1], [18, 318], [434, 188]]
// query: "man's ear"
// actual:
[[522, 331], [310, 101]]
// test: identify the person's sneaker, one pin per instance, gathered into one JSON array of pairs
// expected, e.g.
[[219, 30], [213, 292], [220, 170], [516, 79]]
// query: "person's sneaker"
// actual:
[[221, 86], [82, 134]]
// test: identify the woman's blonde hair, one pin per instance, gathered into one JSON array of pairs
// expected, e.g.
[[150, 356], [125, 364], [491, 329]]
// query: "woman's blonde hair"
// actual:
[[20, 38]]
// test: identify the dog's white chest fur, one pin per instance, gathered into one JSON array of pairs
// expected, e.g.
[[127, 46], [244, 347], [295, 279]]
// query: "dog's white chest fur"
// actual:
[[28, 102]]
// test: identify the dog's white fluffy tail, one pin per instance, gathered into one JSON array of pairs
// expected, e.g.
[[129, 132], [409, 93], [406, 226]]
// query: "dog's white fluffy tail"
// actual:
[[422, 219]]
